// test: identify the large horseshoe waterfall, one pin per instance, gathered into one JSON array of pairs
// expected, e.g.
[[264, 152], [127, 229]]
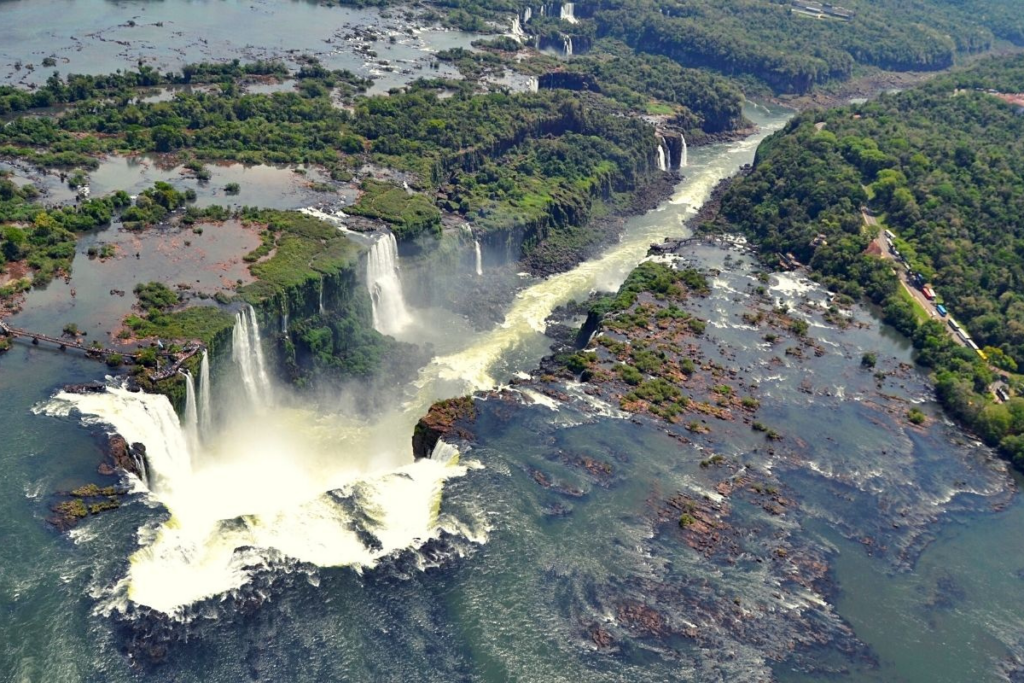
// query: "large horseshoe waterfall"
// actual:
[[270, 483]]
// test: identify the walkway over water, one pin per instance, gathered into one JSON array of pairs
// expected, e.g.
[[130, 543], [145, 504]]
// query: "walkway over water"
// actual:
[[101, 353]]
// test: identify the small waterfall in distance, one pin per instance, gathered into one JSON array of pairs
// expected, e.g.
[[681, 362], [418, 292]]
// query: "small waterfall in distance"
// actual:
[[527, 14], [684, 161], [191, 413], [205, 418], [390, 314], [321, 295], [567, 46], [479, 257], [662, 158], [247, 352], [517, 30], [568, 13]]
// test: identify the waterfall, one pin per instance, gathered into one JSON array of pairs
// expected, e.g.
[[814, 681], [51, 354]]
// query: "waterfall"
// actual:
[[684, 161], [321, 295], [662, 163], [479, 258], [443, 452], [205, 418], [527, 14], [517, 30], [139, 417], [567, 13], [247, 352], [567, 46], [284, 323], [263, 497], [534, 84], [389, 312], [191, 413]]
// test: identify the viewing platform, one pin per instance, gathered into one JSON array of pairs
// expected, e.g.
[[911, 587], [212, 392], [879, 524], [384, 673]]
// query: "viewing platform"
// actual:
[[99, 353]]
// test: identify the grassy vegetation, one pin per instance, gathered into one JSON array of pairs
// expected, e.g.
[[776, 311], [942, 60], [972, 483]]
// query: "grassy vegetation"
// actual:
[[304, 248], [657, 278], [409, 214], [196, 322], [920, 313], [45, 239]]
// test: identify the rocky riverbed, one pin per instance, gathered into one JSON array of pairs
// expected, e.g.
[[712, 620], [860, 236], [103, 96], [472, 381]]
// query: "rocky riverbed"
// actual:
[[776, 427]]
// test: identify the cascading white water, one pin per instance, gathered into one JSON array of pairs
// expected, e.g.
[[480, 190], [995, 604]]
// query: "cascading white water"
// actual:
[[568, 13], [662, 158], [247, 353], [256, 494], [444, 452], [534, 84], [390, 315], [284, 323], [139, 417], [479, 258], [517, 30], [527, 14], [684, 160], [321, 295], [567, 46], [205, 417], [191, 413]]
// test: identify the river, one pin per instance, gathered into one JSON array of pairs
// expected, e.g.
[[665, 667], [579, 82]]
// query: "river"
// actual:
[[305, 545]]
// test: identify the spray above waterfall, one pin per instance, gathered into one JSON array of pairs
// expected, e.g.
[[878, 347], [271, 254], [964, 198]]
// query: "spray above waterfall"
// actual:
[[390, 315], [253, 496], [247, 353]]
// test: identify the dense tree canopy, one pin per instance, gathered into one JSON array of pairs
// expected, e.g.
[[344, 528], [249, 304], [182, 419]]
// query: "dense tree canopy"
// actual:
[[943, 165]]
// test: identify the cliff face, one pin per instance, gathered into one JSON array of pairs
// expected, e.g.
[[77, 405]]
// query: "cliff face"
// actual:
[[287, 347], [451, 417]]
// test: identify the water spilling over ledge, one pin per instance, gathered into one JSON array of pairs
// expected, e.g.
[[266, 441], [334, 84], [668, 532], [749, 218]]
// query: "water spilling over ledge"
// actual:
[[390, 315], [272, 479]]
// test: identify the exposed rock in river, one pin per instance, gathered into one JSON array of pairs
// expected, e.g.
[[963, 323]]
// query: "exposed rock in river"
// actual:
[[448, 417]]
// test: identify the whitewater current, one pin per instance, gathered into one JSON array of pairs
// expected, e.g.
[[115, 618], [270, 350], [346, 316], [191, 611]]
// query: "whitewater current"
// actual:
[[269, 483]]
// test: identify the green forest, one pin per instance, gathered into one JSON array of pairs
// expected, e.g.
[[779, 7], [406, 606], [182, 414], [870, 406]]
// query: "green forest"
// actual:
[[943, 167], [768, 43]]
